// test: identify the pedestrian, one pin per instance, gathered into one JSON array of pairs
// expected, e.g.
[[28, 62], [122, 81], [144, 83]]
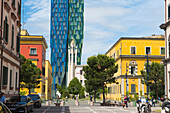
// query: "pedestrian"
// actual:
[[66, 98], [91, 98], [138, 102], [125, 102], [154, 101], [58, 100], [3, 99]]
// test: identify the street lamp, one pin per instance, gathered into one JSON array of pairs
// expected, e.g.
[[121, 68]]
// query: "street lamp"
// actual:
[[126, 80], [147, 74], [2, 46]]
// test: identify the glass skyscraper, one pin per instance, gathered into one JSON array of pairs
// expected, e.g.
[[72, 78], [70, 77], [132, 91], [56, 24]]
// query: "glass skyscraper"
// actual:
[[67, 24]]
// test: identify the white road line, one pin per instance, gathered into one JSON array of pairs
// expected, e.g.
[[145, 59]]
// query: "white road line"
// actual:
[[46, 110], [91, 110]]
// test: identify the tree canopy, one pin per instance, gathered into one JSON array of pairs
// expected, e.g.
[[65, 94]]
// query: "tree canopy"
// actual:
[[155, 79], [100, 69], [74, 86], [29, 74]]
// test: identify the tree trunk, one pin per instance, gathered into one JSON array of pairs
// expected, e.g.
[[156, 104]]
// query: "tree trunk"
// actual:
[[103, 95], [95, 95], [29, 90], [156, 90]]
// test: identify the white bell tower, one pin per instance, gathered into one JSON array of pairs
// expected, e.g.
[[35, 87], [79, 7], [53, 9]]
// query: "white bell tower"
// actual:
[[72, 61]]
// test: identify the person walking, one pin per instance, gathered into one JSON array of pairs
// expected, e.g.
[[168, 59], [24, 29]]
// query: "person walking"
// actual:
[[138, 102], [3, 99], [91, 98], [153, 101], [125, 102]]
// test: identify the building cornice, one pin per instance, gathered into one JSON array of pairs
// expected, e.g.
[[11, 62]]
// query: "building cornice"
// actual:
[[34, 39], [129, 76], [133, 38], [141, 57]]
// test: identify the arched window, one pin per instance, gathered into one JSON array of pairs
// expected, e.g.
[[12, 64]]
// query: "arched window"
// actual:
[[133, 67], [6, 27], [169, 11]]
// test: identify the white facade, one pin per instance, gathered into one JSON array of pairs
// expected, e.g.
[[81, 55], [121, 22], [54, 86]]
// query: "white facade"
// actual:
[[166, 27], [72, 61], [10, 17], [79, 73]]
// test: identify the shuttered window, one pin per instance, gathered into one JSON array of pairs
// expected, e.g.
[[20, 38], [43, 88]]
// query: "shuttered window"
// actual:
[[133, 50], [18, 43], [169, 12], [133, 88], [12, 43], [13, 2], [10, 85], [6, 27], [5, 75], [16, 80]]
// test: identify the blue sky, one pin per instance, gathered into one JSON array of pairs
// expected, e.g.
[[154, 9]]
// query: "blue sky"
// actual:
[[105, 21]]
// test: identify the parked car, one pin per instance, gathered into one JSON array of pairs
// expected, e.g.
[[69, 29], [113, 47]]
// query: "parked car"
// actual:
[[4, 108], [37, 100], [22, 104]]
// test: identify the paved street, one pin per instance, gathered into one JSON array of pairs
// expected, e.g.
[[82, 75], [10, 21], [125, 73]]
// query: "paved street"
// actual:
[[84, 108]]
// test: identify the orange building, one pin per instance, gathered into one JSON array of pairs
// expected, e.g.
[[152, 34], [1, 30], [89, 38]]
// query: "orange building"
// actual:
[[34, 48]]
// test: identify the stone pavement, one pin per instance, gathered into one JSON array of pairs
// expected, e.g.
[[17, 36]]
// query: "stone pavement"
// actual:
[[84, 107]]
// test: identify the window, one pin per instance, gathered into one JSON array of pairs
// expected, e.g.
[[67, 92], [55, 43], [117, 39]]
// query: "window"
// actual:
[[6, 27], [148, 50], [109, 90], [169, 11], [81, 72], [18, 43], [13, 2], [132, 70], [12, 43], [162, 50], [10, 85], [16, 80], [169, 49], [43, 71], [133, 50], [133, 88], [33, 51], [5, 75], [19, 8], [117, 53]]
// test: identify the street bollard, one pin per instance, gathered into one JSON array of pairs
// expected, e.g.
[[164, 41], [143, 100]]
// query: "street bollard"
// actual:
[[92, 103]]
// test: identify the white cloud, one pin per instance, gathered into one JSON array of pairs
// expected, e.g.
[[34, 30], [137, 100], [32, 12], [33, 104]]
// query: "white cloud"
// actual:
[[38, 21], [105, 21]]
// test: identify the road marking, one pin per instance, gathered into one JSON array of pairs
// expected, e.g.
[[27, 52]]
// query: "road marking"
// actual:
[[46, 110], [63, 109], [91, 110]]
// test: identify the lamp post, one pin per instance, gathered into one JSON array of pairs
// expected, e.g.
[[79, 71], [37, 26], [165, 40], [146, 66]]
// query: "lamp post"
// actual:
[[1, 38], [126, 80], [147, 74]]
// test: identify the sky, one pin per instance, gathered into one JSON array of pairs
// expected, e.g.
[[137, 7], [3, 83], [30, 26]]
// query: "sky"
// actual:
[[105, 22]]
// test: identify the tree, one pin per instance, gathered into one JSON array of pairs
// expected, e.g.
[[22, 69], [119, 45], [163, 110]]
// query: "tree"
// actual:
[[82, 94], [100, 70], [29, 74], [74, 86], [155, 79]]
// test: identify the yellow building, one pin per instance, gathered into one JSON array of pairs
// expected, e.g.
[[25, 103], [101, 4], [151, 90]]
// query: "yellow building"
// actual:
[[34, 48], [131, 51], [48, 78]]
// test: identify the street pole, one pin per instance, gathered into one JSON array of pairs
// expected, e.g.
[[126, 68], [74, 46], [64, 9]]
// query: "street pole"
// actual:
[[147, 74], [1, 38], [126, 81]]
